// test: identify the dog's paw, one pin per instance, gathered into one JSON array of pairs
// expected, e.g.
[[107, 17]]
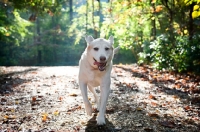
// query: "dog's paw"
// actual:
[[101, 120], [88, 108]]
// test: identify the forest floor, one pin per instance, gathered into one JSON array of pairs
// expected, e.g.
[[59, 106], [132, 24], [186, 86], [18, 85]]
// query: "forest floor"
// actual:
[[48, 99]]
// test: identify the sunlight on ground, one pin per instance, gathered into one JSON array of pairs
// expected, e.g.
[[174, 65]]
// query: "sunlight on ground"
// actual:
[[54, 92]]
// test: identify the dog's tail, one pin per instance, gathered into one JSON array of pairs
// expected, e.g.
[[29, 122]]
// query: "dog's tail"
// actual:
[[116, 50]]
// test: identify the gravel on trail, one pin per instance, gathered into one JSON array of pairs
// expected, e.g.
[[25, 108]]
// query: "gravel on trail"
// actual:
[[48, 99]]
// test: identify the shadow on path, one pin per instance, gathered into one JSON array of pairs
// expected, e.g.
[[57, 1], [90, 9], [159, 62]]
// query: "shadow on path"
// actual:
[[93, 127], [161, 84], [9, 81]]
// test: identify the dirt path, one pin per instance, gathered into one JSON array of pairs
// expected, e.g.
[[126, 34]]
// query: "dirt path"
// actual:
[[47, 99]]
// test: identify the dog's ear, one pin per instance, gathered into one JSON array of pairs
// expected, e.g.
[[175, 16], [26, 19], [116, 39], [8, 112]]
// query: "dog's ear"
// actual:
[[111, 39], [89, 39], [116, 50]]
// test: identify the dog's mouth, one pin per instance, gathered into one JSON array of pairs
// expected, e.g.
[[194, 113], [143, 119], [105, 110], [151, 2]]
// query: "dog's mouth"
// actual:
[[101, 65]]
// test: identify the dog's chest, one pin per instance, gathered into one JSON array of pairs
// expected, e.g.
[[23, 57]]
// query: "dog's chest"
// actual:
[[95, 78]]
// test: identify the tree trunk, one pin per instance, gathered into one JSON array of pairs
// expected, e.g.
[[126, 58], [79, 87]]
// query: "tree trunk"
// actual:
[[55, 26], [190, 23], [70, 10], [100, 17], [170, 7], [153, 22], [86, 20], [39, 52], [94, 27]]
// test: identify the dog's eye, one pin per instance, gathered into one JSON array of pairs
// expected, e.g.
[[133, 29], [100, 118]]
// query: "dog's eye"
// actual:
[[106, 48], [96, 49]]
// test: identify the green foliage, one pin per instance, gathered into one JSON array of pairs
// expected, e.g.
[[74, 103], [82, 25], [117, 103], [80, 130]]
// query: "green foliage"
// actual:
[[13, 31], [78, 27], [158, 32], [38, 7], [181, 57]]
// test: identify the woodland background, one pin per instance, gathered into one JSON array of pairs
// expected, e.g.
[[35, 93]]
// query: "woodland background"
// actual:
[[162, 33]]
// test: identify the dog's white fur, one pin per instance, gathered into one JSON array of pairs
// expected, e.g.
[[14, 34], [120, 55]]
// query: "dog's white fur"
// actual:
[[95, 68]]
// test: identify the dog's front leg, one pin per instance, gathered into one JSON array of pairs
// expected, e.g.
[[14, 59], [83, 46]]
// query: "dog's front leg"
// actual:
[[88, 106], [105, 91], [92, 89]]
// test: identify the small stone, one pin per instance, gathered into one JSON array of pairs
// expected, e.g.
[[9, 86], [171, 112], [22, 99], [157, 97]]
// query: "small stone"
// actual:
[[138, 125]]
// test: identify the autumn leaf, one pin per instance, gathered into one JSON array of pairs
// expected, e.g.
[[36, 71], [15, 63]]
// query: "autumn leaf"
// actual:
[[6, 117], [33, 99], [10, 117], [56, 112], [73, 94], [44, 117], [187, 108], [60, 98], [34, 72], [154, 104], [195, 14], [153, 115], [152, 97], [175, 97], [139, 109], [196, 7], [159, 8], [77, 107]]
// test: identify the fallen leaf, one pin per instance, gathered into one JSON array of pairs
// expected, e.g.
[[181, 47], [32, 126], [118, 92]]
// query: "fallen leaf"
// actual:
[[6, 117], [138, 108], [73, 94], [44, 117], [56, 113], [152, 97], [153, 115], [187, 108], [16, 102], [154, 104], [60, 98], [3, 100], [76, 107], [33, 99], [10, 117], [175, 97]]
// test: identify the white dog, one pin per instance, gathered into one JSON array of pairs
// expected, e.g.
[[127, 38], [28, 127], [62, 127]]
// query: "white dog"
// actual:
[[95, 68]]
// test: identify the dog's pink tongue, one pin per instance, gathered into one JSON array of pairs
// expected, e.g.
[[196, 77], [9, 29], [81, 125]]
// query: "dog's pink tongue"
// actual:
[[101, 66], [96, 63]]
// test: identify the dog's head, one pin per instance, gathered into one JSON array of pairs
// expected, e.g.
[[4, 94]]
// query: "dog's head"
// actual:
[[100, 51]]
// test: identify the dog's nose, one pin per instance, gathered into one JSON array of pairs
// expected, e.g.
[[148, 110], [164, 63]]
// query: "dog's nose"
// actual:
[[102, 58]]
